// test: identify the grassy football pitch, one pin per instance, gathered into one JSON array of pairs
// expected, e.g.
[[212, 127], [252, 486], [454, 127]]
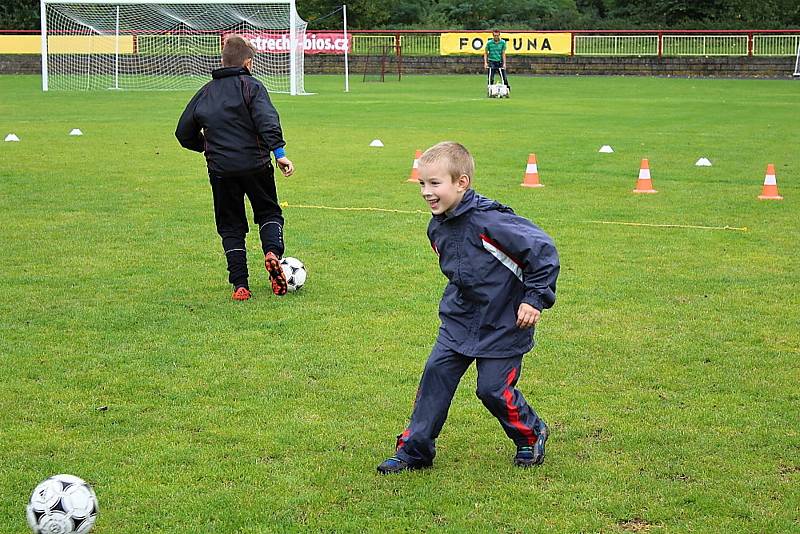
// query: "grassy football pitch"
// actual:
[[667, 371]]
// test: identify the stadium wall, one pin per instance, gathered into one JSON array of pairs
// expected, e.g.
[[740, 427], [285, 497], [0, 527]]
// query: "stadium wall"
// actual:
[[724, 66], [20, 64]]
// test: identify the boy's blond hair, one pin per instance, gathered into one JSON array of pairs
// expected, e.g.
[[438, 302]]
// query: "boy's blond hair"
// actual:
[[236, 51], [454, 156]]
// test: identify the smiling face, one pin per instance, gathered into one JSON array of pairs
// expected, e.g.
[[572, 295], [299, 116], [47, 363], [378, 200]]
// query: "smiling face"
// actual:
[[440, 190]]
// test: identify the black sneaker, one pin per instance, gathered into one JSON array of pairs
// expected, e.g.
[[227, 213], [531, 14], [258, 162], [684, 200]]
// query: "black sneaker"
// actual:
[[529, 455], [524, 456], [396, 465]]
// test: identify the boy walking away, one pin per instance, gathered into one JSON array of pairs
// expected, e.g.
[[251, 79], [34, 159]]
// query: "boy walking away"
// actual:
[[494, 58], [501, 272], [232, 121]]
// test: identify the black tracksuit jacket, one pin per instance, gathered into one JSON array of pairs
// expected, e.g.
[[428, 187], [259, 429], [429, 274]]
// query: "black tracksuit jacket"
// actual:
[[232, 120]]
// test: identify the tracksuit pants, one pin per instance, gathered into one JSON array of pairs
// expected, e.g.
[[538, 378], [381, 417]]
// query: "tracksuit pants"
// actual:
[[496, 67], [229, 212], [497, 380]]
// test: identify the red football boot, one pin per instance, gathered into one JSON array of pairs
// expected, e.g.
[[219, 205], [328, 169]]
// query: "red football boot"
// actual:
[[276, 276], [241, 293]]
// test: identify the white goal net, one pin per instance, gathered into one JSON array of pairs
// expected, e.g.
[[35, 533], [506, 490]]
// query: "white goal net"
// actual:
[[166, 44]]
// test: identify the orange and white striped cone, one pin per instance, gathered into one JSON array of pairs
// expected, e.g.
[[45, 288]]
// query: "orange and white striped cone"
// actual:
[[415, 167], [770, 189], [531, 178], [644, 184]]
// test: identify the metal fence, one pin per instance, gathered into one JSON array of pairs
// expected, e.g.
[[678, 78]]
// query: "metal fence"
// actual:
[[607, 43], [705, 45], [411, 44], [584, 42], [615, 45], [364, 44], [424, 44], [776, 45]]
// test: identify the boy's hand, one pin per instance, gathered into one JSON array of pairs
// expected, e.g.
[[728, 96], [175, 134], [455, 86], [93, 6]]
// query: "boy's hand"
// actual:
[[527, 316], [285, 165]]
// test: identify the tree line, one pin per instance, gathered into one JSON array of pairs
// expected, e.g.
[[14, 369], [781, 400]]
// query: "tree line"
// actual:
[[514, 14]]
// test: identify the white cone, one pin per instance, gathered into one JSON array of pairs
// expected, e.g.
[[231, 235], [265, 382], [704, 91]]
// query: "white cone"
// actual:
[[76, 131], [703, 162], [12, 137], [605, 149], [376, 142]]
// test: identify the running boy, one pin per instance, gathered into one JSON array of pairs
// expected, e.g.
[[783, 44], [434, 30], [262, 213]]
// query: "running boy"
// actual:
[[232, 121], [502, 272]]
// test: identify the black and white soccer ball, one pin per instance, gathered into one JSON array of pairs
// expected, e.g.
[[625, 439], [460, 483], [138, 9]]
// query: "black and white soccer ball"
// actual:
[[295, 273], [62, 504]]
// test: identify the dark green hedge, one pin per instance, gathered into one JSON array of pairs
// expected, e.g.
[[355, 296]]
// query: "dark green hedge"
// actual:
[[514, 14]]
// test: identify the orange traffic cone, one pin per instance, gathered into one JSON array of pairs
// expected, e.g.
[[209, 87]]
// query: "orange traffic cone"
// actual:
[[531, 178], [770, 189], [644, 184], [415, 168]]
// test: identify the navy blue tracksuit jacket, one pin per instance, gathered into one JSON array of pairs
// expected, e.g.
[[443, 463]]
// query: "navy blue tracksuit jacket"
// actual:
[[494, 260]]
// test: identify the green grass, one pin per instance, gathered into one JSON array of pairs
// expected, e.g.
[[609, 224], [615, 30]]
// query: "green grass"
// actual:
[[668, 369]]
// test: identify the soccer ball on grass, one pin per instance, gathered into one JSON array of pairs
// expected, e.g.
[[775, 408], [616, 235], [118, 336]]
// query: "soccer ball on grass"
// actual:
[[295, 273], [62, 504]]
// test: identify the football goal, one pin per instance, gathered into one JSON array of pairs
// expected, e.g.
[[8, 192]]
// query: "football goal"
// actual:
[[166, 44]]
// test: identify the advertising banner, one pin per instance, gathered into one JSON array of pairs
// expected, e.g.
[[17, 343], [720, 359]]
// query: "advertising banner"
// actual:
[[315, 43], [517, 43], [66, 44]]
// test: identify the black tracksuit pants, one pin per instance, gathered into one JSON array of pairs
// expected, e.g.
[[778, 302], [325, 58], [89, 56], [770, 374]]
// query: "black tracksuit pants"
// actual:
[[229, 211], [496, 67], [497, 380]]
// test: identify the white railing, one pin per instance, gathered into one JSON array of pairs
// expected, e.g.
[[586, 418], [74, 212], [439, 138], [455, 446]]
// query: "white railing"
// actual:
[[775, 45], [367, 44], [616, 45], [420, 44], [627, 43], [704, 45], [585, 43]]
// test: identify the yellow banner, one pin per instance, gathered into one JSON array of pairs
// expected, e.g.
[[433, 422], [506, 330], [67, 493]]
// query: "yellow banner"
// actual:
[[66, 44], [93, 44], [20, 44], [559, 44]]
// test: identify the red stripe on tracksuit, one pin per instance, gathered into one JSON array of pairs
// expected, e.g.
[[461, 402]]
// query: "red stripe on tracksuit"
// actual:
[[513, 412], [401, 439], [499, 247]]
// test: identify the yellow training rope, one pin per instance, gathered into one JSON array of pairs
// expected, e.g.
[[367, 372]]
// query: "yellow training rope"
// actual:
[[422, 212]]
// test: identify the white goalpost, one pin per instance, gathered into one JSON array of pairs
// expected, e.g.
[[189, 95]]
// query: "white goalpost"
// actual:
[[166, 44], [797, 60]]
